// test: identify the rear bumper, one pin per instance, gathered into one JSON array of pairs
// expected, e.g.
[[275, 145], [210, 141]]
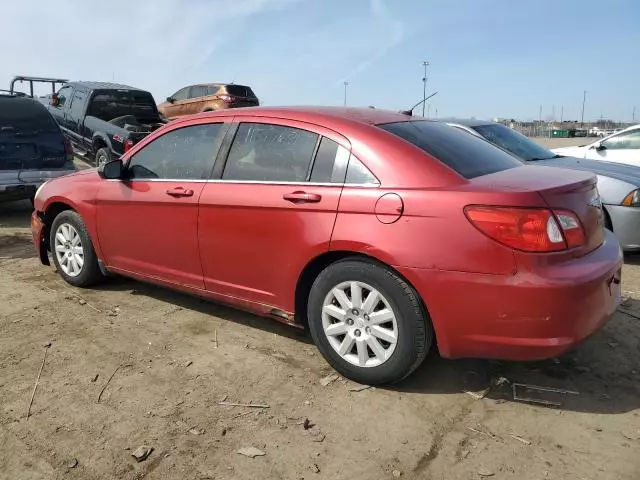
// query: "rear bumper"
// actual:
[[38, 233], [626, 226], [526, 316], [17, 191]]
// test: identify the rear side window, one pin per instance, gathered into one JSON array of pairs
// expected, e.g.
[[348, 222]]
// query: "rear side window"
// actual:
[[108, 105], [469, 156], [330, 163], [198, 91], [186, 153], [240, 91], [270, 153]]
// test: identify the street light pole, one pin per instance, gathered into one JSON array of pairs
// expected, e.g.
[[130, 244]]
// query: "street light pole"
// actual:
[[346, 84], [584, 98], [424, 85]]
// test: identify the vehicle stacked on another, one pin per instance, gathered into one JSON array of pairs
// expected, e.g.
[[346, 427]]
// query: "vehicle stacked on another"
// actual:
[[207, 98], [367, 226], [32, 147], [104, 119], [619, 185]]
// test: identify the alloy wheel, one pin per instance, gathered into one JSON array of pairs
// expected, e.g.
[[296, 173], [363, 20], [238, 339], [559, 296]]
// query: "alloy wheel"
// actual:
[[68, 250], [360, 324]]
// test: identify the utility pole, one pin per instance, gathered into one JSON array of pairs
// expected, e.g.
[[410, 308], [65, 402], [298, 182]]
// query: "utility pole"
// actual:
[[562, 114], [428, 109], [346, 84], [425, 64], [584, 98]]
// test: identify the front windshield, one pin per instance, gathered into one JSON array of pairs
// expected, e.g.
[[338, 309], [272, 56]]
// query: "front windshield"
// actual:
[[513, 142]]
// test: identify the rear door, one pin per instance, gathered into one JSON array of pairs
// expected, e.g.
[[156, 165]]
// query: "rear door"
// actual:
[[270, 208], [147, 224]]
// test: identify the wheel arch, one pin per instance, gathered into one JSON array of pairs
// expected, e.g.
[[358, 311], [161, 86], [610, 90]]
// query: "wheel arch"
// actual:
[[50, 213], [311, 271], [100, 141]]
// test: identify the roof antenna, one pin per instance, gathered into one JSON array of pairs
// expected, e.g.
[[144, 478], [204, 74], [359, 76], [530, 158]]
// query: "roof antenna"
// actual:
[[410, 112]]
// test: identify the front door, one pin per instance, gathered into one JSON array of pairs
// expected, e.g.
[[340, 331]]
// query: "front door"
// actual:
[[147, 223], [271, 209]]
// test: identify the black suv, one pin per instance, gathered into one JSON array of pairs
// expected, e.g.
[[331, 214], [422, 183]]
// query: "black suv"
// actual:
[[32, 147]]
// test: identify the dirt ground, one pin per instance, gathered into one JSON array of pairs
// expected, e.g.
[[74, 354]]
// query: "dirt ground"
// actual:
[[87, 420], [565, 142]]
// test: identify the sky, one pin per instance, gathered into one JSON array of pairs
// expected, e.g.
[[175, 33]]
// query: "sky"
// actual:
[[487, 58]]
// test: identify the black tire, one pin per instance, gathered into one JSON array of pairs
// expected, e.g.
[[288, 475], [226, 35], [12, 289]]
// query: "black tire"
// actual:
[[90, 273], [415, 333], [103, 156]]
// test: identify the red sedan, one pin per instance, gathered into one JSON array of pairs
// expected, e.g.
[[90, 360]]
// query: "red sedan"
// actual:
[[381, 232]]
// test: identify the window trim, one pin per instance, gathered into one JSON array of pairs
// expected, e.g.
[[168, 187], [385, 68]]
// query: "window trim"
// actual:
[[234, 124]]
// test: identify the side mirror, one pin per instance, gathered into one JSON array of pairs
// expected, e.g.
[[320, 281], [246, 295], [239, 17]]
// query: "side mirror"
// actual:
[[111, 170], [599, 147], [171, 99], [55, 101]]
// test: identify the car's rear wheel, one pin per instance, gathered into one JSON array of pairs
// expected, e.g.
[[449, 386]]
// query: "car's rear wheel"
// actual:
[[368, 322], [103, 156], [72, 250]]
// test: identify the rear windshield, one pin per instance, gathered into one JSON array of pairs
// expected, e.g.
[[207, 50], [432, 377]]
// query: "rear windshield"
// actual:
[[240, 91], [108, 105], [19, 115], [466, 154]]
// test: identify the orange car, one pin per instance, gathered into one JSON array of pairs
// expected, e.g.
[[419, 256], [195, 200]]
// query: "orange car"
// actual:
[[207, 98]]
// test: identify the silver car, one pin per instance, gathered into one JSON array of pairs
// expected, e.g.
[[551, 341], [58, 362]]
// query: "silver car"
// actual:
[[618, 184]]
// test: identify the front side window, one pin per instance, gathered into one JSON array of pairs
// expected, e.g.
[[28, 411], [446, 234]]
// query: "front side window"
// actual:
[[63, 95], [181, 94], [623, 141], [270, 153], [183, 154]]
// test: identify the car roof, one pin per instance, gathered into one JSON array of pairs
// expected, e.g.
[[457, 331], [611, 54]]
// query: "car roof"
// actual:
[[467, 122], [370, 116], [103, 86]]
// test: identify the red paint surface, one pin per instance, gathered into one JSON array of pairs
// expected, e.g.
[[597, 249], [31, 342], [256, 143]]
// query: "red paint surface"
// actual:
[[247, 244]]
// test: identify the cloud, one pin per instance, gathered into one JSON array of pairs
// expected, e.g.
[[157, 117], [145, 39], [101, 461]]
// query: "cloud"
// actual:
[[388, 31], [153, 44]]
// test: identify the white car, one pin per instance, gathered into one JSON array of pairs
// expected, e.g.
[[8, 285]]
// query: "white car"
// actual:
[[621, 147]]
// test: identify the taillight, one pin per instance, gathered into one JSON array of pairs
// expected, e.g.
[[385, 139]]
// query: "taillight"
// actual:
[[571, 227], [528, 229], [128, 144], [68, 149], [227, 98]]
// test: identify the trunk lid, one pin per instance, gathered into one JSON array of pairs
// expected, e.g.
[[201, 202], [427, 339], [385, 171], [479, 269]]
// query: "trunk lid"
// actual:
[[560, 189]]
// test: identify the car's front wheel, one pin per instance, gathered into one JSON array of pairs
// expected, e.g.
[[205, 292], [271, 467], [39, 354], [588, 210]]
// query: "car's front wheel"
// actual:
[[368, 322], [72, 250]]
